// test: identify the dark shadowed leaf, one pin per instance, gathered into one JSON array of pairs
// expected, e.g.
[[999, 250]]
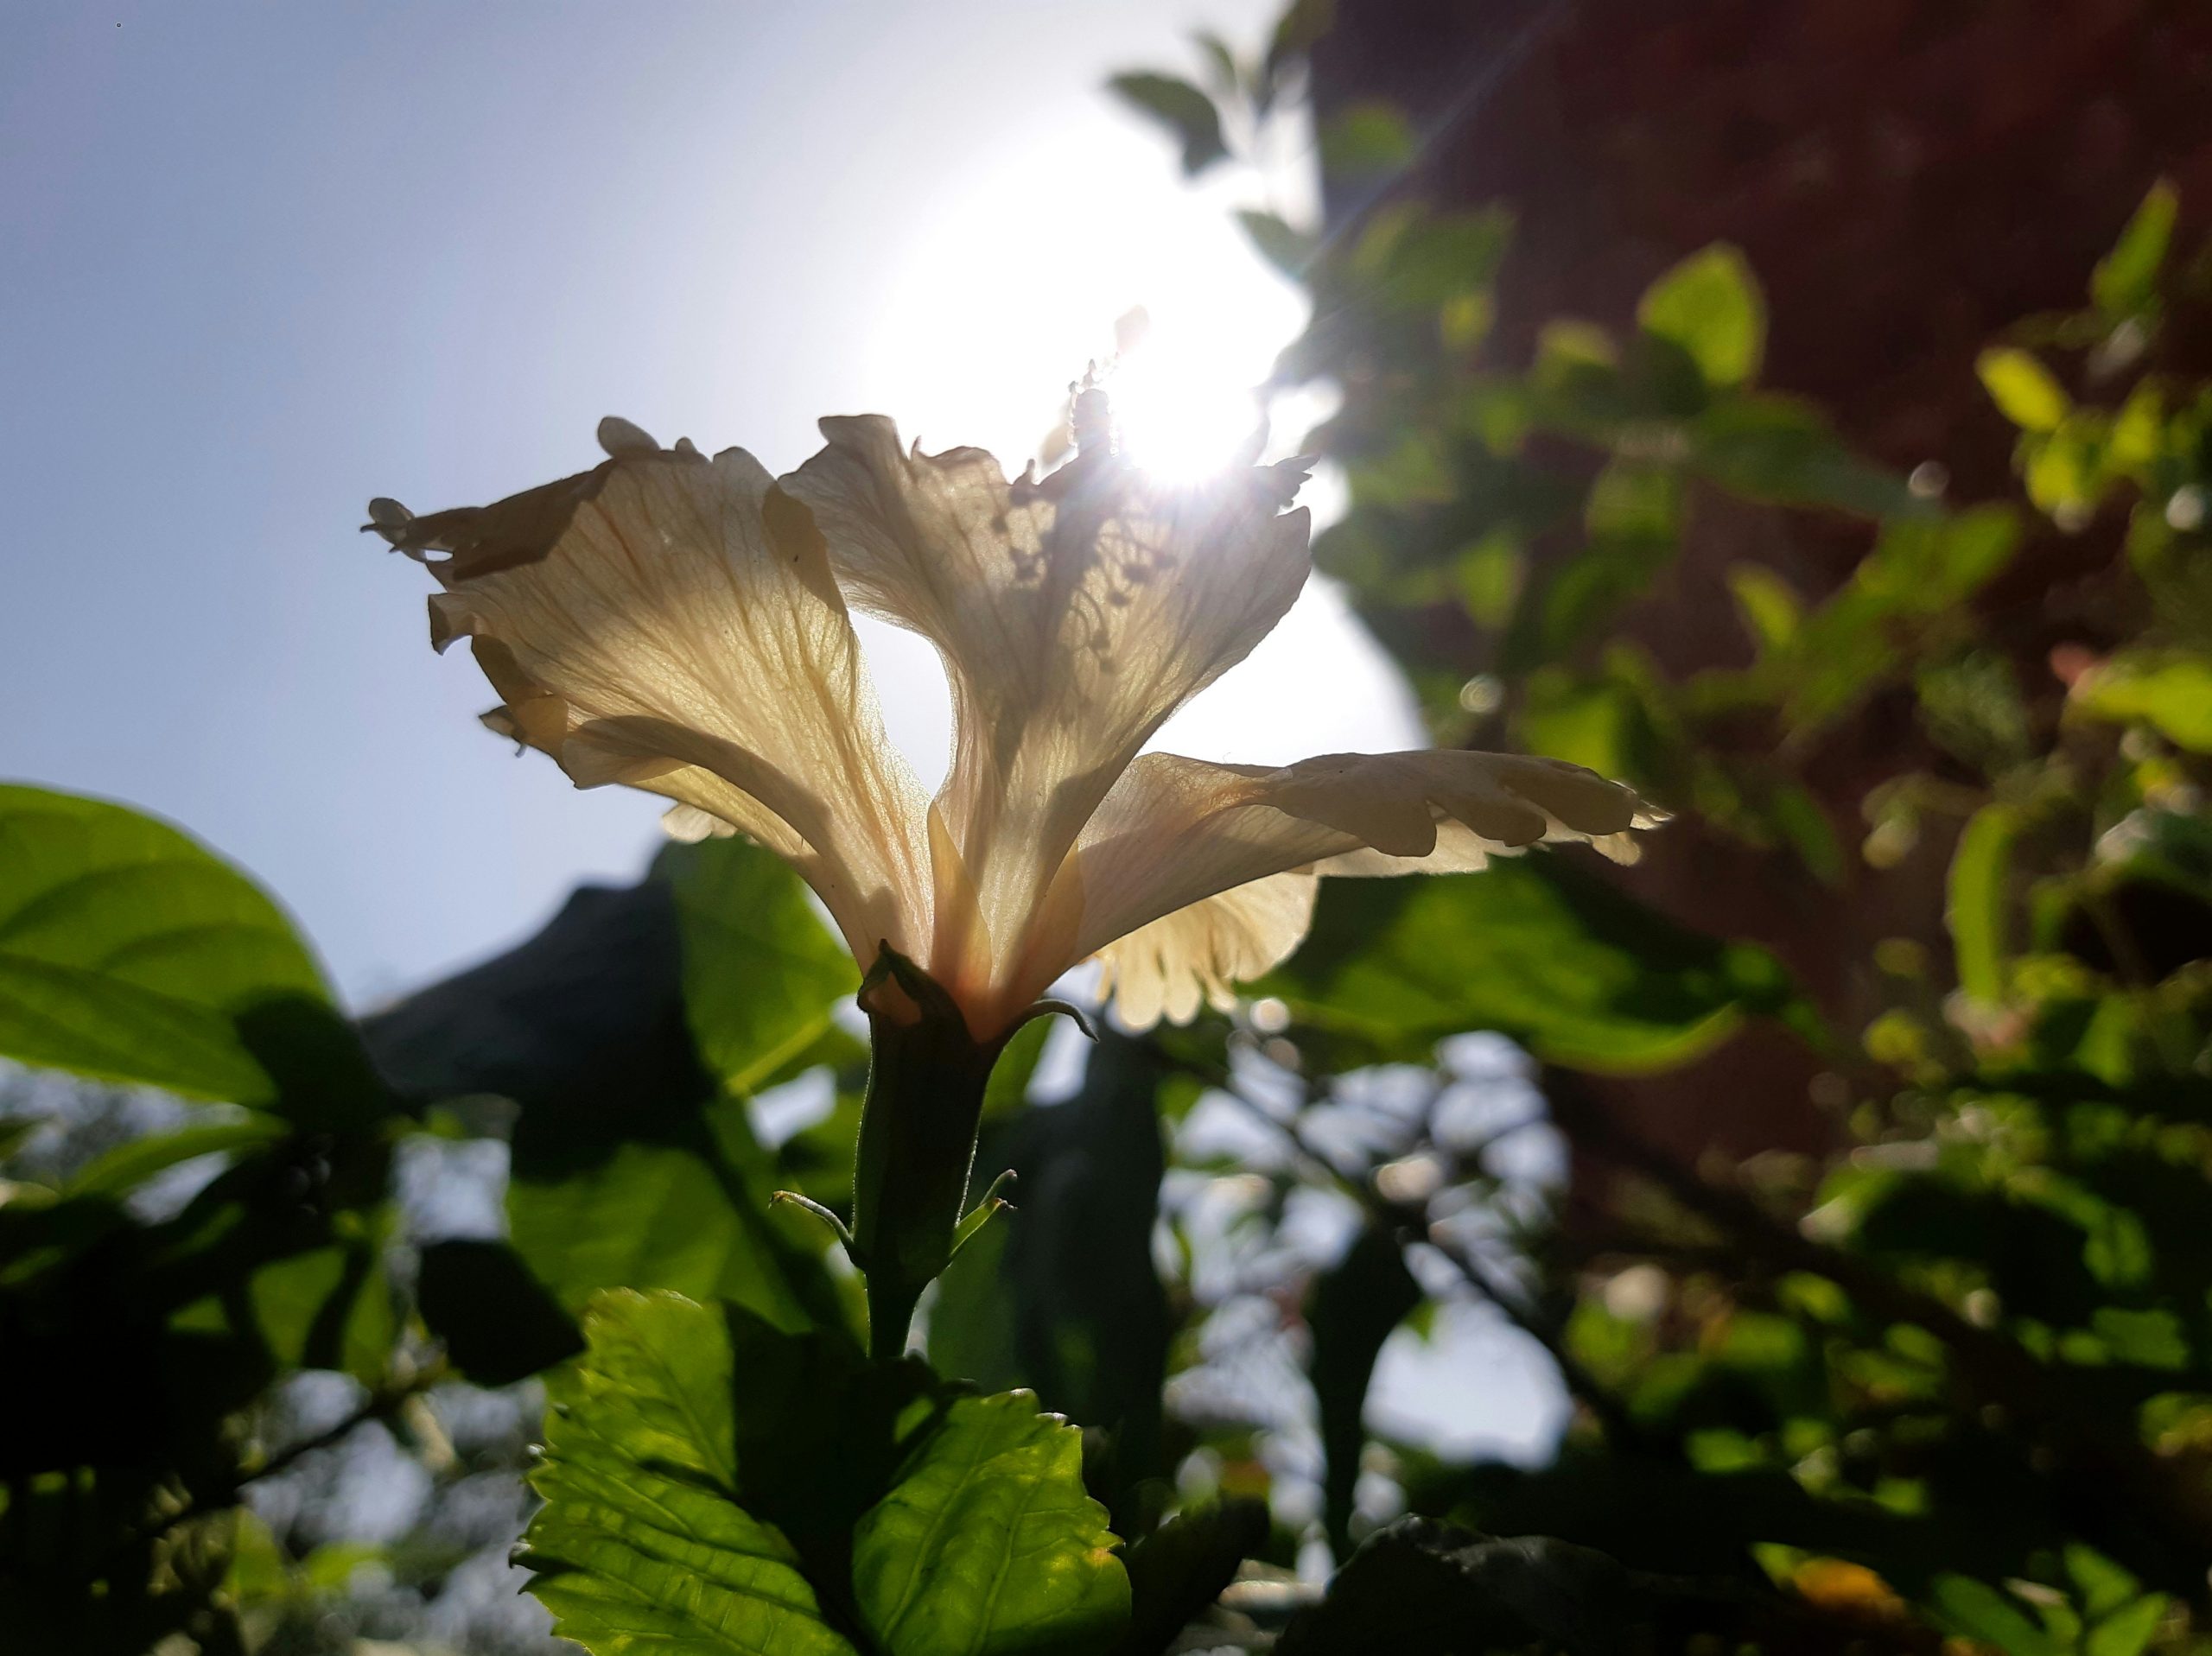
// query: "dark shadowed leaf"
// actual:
[[1351, 1308], [1421, 1589], [497, 1322], [128, 951], [631, 1168], [1181, 1567]]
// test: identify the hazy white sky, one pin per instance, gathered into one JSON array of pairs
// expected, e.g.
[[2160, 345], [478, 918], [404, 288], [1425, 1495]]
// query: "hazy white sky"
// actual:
[[259, 262]]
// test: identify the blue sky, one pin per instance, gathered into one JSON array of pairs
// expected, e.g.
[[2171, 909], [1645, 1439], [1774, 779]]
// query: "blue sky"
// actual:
[[263, 261]]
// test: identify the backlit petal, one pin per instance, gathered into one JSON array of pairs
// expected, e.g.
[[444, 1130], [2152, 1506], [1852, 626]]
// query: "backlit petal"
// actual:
[[1177, 831], [671, 623], [1193, 957], [1074, 615]]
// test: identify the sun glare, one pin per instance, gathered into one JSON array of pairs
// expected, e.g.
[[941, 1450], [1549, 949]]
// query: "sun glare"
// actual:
[[1184, 404], [1079, 234]]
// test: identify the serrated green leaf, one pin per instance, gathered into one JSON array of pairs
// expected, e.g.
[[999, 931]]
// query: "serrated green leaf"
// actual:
[[1184, 110], [987, 1545], [2023, 389], [128, 951], [1710, 306], [642, 1544], [760, 970]]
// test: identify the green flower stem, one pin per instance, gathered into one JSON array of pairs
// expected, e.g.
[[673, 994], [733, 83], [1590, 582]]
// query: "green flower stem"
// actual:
[[919, 1123]]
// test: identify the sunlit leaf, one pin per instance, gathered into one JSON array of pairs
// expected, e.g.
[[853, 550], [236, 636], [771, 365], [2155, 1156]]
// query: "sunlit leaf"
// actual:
[[2023, 388], [2169, 691], [128, 951], [761, 969], [642, 1543], [987, 1543], [1976, 902], [2126, 280], [1768, 604], [1710, 305]]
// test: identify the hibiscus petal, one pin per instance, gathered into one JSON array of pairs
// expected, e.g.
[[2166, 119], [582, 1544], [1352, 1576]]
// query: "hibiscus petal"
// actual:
[[1194, 957], [1074, 615], [1177, 835], [671, 623]]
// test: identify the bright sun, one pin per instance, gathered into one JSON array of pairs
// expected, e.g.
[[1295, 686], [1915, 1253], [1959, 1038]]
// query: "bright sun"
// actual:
[[1016, 279]]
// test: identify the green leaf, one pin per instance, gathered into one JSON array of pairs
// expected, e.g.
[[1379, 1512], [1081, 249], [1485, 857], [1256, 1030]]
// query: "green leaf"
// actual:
[[631, 1167], [1367, 139], [1978, 1610], [1550, 955], [987, 1543], [1008, 1090], [1767, 603], [2126, 280], [1422, 1589], [2127, 1631], [2023, 389], [642, 1543], [2169, 691], [1302, 23], [1778, 451], [1710, 305], [760, 970], [1184, 109], [129, 952], [128, 1166], [1976, 902], [680, 1214], [1180, 1569]]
